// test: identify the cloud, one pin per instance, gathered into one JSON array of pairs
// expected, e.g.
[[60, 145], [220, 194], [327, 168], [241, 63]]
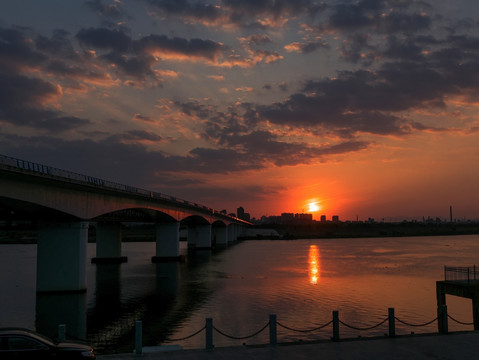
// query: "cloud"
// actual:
[[375, 101], [217, 77], [143, 118], [16, 52], [305, 47], [257, 39], [253, 14], [378, 16], [138, 57], [136, 137], [189, 11], [162, 46], [23, 102], [108, 13], [104, 38]]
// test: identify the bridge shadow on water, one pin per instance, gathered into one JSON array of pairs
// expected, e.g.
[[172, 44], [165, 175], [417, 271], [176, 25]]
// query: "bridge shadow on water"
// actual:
[[162, 299]]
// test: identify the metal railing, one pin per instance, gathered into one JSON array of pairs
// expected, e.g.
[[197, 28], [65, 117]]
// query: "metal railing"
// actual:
[[461, 273], [69, 176]]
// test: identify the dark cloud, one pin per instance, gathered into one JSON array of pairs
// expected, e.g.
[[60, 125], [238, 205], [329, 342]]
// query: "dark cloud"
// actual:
[[143, 118], [259, 39], [357, 49], [58, 45], [364, 24], [188, 10], [22, 103], [103, 38], [115, 157], [136, 57], [16, 51], [113, 11], [197, 48], [378, 16], [242, 13], [372, 100], [137, 136]]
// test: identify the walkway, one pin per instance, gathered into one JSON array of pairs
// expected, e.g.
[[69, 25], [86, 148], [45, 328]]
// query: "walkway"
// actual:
[[416, 347]]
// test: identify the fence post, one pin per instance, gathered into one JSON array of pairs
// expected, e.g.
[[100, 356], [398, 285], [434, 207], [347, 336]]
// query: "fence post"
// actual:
[[138, 337], [209, 334], [272, 330], [392, 324], [335, 325], [443, 328], [61, 332]]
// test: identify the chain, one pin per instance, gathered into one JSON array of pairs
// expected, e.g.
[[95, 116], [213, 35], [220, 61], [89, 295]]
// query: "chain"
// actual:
[[417, 325], [366, 328], [304, 331], [241, 337], [459, 322], [189, 336]]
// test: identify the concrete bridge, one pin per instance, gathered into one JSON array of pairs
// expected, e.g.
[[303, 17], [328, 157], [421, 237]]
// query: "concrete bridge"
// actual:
[[66, 204]]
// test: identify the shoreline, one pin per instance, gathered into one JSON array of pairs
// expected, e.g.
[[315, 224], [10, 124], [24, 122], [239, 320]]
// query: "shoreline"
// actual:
[[28, 234]]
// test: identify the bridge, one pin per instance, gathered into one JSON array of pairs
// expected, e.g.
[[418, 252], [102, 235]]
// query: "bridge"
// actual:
[[66, 204]]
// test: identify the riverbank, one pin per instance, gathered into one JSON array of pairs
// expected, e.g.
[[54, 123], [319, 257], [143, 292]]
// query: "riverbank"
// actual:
[[26, 233], [461, 345], [331, 230]]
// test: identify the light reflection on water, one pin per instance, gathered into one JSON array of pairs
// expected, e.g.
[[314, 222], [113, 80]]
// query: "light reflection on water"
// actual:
[[314, 273], [300, 281]]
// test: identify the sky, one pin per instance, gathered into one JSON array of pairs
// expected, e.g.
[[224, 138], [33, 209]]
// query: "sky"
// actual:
[[365, 109]]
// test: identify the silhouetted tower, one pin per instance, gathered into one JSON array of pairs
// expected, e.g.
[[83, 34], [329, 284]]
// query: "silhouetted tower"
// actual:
[[240, 212], [450, 213]]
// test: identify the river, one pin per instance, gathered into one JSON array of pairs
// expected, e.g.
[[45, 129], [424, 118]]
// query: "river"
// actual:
[[301, 281]]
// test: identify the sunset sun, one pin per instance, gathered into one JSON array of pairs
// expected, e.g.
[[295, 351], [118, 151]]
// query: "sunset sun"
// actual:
[[313, 207]]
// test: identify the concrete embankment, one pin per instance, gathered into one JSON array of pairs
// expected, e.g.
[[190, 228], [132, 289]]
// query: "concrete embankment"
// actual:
[[464, 345]]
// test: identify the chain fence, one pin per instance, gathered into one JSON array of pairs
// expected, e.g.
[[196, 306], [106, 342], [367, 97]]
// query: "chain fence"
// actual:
[[273, 324]]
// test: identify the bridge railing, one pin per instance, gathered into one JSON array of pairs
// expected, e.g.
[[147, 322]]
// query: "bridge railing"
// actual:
[[461, 273], [72, 176]]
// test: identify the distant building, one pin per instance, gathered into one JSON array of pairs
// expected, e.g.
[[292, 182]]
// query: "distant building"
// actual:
[[287, 217], [242, 215], [323, 218], [240, 212], [335, 218], [303, 218]]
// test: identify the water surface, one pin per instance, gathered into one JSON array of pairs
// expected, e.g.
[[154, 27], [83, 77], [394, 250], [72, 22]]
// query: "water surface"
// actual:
[[301, 281]]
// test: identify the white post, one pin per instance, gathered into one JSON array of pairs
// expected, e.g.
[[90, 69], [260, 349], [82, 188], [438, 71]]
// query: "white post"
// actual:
[[138, 338]]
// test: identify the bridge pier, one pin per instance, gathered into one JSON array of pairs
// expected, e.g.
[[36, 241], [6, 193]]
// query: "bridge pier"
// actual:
[[167, 242], [199, 236], [61, 257], [233, 233], [108, 243], [221, 236]]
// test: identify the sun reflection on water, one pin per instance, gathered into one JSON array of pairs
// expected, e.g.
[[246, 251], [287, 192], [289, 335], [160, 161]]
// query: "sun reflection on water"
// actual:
[[313, 259]]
